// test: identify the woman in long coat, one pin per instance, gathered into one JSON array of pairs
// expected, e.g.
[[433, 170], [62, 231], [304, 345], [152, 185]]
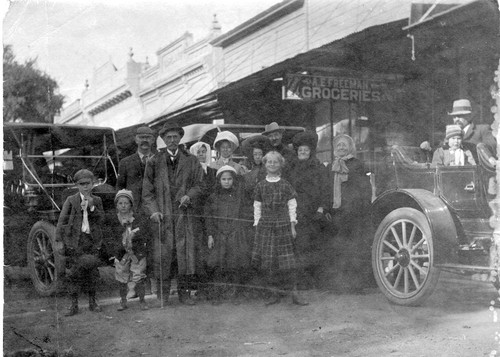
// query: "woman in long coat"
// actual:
[[170, 177], [307, 176], [348, 200]]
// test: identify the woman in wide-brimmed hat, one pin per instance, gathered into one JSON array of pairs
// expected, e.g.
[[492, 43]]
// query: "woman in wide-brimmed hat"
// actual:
[[254, 147], [225, 144]]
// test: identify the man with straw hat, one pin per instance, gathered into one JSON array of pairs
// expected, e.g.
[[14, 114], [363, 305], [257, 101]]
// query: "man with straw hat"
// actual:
[[474, 134]]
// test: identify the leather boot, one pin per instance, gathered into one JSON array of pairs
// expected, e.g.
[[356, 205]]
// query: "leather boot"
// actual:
[[73, 309], [92, 303], [123, 296], [140, 288]]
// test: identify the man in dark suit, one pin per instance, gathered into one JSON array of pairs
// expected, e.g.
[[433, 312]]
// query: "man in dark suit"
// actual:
[[131, 168]]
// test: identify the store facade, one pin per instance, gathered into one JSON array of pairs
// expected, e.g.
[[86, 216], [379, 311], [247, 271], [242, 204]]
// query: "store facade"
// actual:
[[392, 82]]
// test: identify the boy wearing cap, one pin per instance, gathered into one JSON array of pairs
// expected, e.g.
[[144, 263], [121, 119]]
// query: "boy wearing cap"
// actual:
[[79, 231], [453, 154]]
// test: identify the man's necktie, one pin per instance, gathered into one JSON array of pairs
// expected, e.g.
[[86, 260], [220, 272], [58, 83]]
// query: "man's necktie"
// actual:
[[85, 222]]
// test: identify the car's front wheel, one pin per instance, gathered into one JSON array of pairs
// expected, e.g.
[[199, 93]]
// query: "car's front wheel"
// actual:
[[403, 257], [45, 265]]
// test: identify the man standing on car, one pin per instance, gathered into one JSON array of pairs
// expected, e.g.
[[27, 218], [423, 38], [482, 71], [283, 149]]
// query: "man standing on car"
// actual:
[[172, 182]]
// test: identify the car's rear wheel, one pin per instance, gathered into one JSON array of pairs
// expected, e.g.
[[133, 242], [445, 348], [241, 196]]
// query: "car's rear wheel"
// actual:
[[403, 257], [45, 265]]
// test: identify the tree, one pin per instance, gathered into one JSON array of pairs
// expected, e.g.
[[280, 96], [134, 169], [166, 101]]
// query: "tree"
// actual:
[[29, 95]]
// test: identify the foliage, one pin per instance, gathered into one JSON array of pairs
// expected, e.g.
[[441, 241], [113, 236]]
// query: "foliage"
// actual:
[[29, 95]]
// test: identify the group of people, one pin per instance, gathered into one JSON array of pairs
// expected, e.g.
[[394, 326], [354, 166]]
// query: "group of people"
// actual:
[[214, 226]]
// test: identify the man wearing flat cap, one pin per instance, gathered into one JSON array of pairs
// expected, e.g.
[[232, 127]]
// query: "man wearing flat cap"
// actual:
[[173, 181], [275, 135], [131, 168]]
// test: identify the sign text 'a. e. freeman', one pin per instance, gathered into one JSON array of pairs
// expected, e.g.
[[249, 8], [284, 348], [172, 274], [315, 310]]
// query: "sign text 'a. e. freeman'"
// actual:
[[308, 87]]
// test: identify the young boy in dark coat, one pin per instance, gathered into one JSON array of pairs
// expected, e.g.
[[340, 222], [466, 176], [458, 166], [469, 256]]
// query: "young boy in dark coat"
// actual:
[[79, 231]]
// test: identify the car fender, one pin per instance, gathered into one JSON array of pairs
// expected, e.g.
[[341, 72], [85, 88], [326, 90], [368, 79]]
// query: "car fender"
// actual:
[[437, 213]]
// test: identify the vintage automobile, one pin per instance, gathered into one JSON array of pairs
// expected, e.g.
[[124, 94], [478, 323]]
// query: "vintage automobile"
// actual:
[[430, 219], [39, 163]]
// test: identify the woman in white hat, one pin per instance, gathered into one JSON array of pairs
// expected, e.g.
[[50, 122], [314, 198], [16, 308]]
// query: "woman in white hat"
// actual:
[[225, 144]]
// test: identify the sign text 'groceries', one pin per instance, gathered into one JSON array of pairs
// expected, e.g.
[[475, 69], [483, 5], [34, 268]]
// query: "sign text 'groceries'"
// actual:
[[307, 87]]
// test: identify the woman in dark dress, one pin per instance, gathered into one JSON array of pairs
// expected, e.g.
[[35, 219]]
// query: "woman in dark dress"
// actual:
[[204, 154], [348, 201], [307, 176]]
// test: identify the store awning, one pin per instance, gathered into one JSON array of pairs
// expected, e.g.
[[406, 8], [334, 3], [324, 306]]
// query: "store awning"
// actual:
[[322, 59]]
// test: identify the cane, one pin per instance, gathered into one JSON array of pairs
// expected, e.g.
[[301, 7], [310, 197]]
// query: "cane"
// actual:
[[161, 265]]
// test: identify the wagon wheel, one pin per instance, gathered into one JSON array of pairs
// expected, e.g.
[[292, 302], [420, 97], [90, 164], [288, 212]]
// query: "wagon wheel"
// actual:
[[403, 257], [45, 265]]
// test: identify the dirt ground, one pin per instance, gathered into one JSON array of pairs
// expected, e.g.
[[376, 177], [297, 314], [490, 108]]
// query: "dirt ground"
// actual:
[[459, 319]]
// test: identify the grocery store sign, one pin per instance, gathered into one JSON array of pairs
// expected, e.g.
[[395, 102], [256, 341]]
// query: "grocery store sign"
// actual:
[[307, 87]]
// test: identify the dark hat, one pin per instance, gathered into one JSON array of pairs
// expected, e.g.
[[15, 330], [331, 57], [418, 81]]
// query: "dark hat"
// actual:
[[271, 128], [309, 138], [144, 130], [255, 142], [172, 126], [83, 174]]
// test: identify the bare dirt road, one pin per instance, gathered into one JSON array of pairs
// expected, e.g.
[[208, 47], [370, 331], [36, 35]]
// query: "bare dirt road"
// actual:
[[458, 320]]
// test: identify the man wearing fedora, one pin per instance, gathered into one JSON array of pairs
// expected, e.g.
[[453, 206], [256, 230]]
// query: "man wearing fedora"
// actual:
[[474, 134], [275, 135], [172, 182]]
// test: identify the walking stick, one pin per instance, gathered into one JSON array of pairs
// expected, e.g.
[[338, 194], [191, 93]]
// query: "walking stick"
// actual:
[[161, 265]]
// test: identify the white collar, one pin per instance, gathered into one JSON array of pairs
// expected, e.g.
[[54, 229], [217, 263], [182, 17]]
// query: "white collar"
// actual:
[[173, 153], [273, 179]]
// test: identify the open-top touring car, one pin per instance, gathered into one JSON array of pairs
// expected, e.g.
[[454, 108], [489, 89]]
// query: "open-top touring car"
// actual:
[[39, 163], [430, 219]]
